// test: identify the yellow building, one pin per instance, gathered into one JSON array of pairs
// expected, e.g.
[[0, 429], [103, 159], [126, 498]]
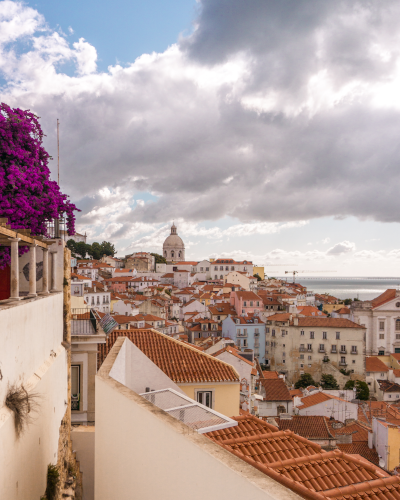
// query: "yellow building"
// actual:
[[259, 270], [207, 380]]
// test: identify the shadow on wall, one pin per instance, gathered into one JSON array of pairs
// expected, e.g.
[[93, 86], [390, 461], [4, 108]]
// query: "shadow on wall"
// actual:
[[39, 271]]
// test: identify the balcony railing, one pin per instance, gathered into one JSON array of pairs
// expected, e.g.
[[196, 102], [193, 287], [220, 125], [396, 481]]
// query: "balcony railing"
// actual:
[[302, 349], [241, 335], [333, 351], [354, 352], [83, 322], [343, 363], [343, 351], [322, 350], [75, 400]]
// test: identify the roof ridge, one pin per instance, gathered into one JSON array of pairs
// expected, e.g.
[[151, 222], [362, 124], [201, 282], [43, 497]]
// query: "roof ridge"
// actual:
[[361, 487], [306, 458], [327, 428]]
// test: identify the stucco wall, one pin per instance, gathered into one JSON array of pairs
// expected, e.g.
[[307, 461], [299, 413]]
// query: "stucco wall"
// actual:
[[23, 461], [226, 396], [83, 438], [29, 331], [140, 452]]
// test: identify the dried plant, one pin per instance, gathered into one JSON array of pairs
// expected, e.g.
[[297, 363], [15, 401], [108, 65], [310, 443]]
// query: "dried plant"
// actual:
[[23, 404]]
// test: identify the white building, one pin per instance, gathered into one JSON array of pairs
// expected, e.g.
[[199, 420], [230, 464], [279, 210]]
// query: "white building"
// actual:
[[219, 268], [319, 403], [381, 318]]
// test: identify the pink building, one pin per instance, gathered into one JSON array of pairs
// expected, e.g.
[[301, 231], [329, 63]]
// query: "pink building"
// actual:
[[246, 302]]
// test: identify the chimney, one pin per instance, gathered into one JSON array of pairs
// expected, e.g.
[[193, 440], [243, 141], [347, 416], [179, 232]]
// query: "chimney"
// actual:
[[296, 321]]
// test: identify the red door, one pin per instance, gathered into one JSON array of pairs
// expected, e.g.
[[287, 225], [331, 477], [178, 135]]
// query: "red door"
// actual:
[[5, 284]]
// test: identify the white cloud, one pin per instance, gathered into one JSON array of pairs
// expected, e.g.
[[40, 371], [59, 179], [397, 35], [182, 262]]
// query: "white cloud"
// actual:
[[341, 248]]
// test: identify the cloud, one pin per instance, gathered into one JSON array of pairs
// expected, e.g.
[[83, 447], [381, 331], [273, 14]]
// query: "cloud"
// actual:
[[341, 248], [279, 111]]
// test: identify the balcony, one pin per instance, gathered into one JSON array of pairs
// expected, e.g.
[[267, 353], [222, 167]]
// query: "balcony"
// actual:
[[322, 350], [333, 351], [75, 402], [310, 350], [302, 349], [241, 335], [256, 334], [344, 351], [256, 344], [354, 352], [343, 363]]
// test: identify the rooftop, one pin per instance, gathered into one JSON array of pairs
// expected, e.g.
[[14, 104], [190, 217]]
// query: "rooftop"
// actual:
[[275, 390], [374, 364], [182, 363]]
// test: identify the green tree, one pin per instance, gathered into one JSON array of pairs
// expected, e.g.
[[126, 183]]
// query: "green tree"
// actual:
[[82, 248], [257, 276], [329, 382], [107, 248], [96, 251], [304, 381], [362, 389], [71, 246], [159, 258], [347, 302]]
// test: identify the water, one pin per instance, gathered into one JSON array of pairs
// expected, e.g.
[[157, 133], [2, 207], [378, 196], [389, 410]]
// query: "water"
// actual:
[[343, 288]]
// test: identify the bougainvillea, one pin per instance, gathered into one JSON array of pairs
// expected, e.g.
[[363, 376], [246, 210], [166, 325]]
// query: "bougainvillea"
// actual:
[[28, 198]]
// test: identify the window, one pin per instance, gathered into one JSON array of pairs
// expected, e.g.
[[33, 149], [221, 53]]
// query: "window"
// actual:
[[273, 333], [256, 330], [301, 356], [215, 277], [244, 303], [301, 366], [309, 347], [245, 331], [342, 348], [381, 353], [381, 325], [251, 303], [333, 348], [268, 329], [245, 343], [205, 398], [283, 360], [302, 332], [311, 335], [216, 268], [207, 268], [382, 374], [322, 347], [221, 277], [354, 361], [324, 336], [342, 360], [221, 268], [397, 336], [309, 359], [232, 268], [337, 335], [267, 342], [354, 349], [238, 331], [258, 303], [75, 387], [397, 325], [226, 268], [381, 336]]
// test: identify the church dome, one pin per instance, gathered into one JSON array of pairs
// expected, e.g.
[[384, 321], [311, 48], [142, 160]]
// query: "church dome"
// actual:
[[173, 247]]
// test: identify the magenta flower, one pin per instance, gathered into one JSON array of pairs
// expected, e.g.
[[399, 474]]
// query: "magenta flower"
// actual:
[[28, 198]]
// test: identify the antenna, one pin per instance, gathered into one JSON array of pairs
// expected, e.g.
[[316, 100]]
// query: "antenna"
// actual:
[[58, 150]]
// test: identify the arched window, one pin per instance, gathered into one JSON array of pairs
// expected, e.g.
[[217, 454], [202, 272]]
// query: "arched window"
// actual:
[[215, 277], [172, 254], [397, 325], [165, 253], [179, 254]]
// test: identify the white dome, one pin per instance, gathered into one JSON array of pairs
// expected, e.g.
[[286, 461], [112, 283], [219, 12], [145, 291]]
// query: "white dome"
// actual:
[[174, 241]]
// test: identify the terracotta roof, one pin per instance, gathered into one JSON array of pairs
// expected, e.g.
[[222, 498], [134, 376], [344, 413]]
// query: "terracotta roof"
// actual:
[[314, 399], [180, 362], [275, 390], [310, 311], [343, 310], [360, 448], [396, 355], [247, 295], [270, 374], [329, 322], [396, 373], [303, 466], [234, 352], [279, 317], [374, 364], [387, 386], [296, 392], [386, 296], [308, 426], [381, 409]]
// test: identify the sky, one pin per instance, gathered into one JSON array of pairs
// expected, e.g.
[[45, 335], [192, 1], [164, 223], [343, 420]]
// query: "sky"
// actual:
[[266, 130]]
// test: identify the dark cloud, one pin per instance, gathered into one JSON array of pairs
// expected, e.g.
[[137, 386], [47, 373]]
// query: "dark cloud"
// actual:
[[270, 111]]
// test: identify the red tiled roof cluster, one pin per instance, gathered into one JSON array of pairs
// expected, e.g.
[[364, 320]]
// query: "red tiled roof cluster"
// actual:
[[303, 466], [308, 426], [180, 362], [386, 296], [275, 390], [374, 364]]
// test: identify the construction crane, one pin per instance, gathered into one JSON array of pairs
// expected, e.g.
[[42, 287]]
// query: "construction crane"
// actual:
[[297, 272]]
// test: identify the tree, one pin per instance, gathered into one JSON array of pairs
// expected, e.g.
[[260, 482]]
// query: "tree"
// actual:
[[304, 381], [257, 276], [362, 389], [96, 251], [159, 259], [329, 382], [107, 248], [28, 198], [347, 302]]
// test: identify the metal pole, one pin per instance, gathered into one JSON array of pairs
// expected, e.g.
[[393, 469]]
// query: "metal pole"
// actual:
[[58, 150]]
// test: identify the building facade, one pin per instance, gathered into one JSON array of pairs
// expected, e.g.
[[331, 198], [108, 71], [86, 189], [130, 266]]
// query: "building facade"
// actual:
[[173, 247]]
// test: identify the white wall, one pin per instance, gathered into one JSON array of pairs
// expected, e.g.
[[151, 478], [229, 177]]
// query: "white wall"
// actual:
[[83, 443], [332, 408], [23, 461], [135, 370]]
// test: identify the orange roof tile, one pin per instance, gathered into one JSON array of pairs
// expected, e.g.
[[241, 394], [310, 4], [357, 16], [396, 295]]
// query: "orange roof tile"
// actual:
[[386, 296], [374, 364], [267, 374], [308, 426], [232, 351], [180, 362], [302, 466], [329, 322], [275, 390]]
